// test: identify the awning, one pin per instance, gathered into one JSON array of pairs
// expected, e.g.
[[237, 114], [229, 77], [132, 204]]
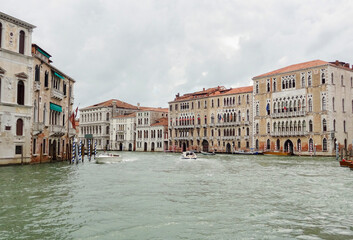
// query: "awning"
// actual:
[[55, 107], [57, 74], [43, 53]]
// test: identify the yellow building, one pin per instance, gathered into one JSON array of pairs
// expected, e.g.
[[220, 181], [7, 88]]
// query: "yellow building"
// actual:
[[304, 108], [212, 120]]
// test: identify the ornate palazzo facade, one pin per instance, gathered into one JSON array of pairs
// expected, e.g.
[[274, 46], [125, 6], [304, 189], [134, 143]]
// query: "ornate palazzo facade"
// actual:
[[215, 119], [304, 108], [16, 81]]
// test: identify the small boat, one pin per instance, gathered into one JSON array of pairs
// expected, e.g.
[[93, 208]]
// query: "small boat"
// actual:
[[247, 153], [108, 158], [346, 163], [278, 153], [208, 153], [188, 155]]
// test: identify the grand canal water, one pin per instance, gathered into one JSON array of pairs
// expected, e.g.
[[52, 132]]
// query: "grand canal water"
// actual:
[[160, 196]]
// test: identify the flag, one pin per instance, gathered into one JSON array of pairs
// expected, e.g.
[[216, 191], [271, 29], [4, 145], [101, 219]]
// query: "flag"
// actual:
[[73, 117]]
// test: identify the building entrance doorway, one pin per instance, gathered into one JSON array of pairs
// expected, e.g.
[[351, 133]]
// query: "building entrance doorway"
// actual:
[[288, 146], [205, 146], [228, 148]]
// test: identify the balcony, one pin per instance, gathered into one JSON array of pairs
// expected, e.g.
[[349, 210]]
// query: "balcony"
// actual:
[[184, 126], [57, 130], [55, 93], [289, 133], [246, 137], [227, 138], [204, 125], [37, 127], [288, 114], [36, 86]]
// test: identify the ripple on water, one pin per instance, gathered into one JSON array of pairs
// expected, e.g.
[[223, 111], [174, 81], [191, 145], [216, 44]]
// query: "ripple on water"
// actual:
[[160, 196]]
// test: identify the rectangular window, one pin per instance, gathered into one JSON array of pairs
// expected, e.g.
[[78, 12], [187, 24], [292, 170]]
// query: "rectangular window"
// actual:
[[18, 150], [170, 107], [44, 146]]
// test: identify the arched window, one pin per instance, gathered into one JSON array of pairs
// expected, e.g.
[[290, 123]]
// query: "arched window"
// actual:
[[274, 85], [19, 127], [268, 87], [324, 145], [37, 73], [293, 83], [324, 125], [248, 114], [334, 124], [332, 78], [323, 78], [304, 126], [344, 126], [303, 81], [342, 104], [310, 103], [239, 115], [257, 88], [257, 109], [20, 93], [22, 42], [268, 144], [257, 144], [0, 33], [247, 99], [107, 116], [342, 81], [333, 104], [309, 79], [268, 128], [310, 126], [323, 102], [268, 108], [257, 128]]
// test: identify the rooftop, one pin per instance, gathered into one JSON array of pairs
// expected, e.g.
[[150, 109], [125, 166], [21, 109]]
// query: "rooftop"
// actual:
[[109, 103], [305, 65], [160, 122]]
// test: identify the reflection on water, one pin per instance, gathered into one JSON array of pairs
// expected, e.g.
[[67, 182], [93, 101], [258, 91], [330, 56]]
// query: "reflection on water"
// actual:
[[160, 196]]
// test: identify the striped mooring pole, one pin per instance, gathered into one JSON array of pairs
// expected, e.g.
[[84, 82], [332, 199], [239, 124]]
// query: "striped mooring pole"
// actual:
[[79, 152], [89, 149], [73, 151], [95, 149]]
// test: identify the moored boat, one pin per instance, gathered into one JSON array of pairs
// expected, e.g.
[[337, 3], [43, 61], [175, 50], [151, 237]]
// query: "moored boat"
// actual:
[[278, 153], [108, 158], [208, 153], [242, 152], [188, 155], [346, 163]]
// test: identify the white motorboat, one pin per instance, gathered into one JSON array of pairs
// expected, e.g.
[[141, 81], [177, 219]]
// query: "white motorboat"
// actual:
[[188, 155], [108, 158]]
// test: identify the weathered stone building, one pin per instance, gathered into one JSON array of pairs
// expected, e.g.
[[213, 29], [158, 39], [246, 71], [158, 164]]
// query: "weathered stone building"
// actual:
[[16, 85], [52, 102], [304, 108], [213, 120], [95, 121], [123, 132], [152, 129]]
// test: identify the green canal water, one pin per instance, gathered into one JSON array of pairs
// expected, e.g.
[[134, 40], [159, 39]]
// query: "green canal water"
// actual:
[[160, 196]]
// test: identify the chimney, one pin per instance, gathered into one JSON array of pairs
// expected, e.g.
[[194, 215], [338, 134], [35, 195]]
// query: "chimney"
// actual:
[[178, 95], [346, 65], [114, 108], [203, 89], [138, 105]]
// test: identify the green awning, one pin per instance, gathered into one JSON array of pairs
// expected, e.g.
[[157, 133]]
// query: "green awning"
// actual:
[[57, 74], [55, 107], [43, 53]]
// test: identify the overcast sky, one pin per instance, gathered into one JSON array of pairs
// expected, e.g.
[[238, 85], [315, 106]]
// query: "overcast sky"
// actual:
[[146, 51]]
